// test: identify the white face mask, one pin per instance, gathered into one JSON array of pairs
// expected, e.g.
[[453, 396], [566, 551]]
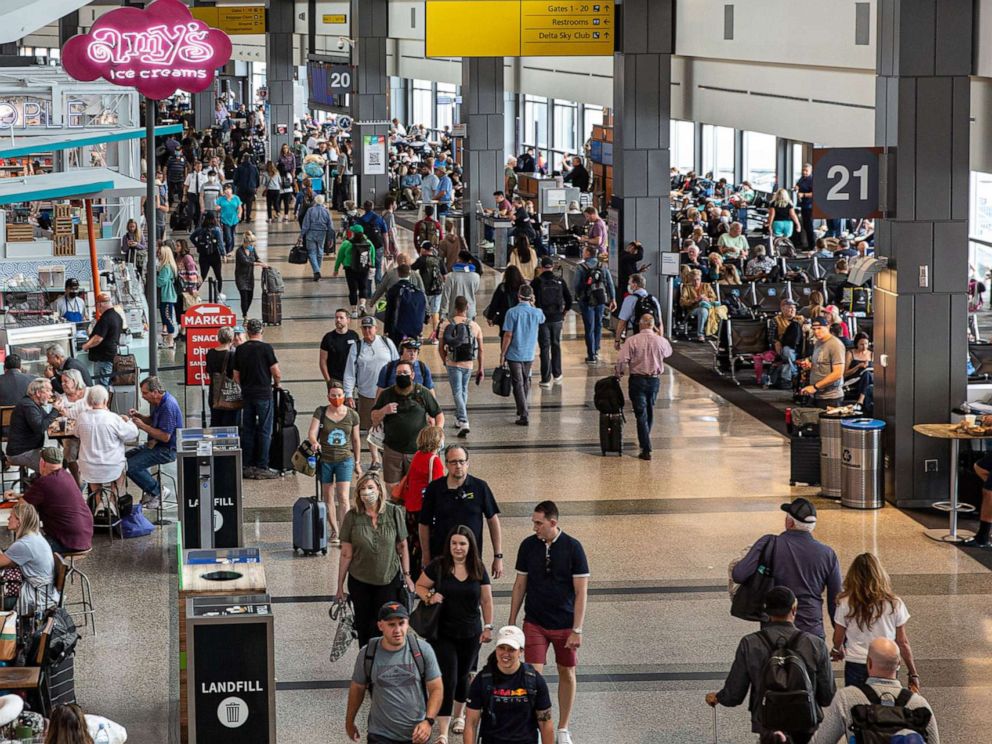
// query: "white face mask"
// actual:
[[370, 496], [441, 446]]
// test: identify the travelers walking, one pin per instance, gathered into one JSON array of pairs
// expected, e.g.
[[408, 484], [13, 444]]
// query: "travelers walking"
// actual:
[[317, 226], [256, 370], [595, 293], [334, 433], [644, 355], [552, 297], [361, 374], [520, 330], [460, 350]]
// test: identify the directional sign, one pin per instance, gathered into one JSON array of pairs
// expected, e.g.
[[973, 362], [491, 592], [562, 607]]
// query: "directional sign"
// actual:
[[846, 182], [201, 323]]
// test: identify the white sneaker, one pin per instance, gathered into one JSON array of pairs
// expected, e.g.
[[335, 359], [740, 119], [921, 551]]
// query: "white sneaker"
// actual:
[[545, 385], [559, 378], [564, 737], [354, 314], [166, 495]]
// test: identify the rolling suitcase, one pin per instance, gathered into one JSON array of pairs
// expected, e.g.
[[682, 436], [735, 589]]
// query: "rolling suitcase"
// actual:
[[804, 459], [271, 308], [285, 441], [310, 524], [611, 433]]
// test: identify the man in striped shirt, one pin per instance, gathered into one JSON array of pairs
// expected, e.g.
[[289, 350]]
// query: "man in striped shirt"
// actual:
[[643, 355]]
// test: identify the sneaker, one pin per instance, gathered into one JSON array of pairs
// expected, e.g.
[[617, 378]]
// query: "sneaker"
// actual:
[[354, 314], [375, 466], [151, 503], [558, 379], [545, 385], [167, 495], [522, 421], [265, 474], [463, 431], [316, 276], [645, 455], [249, 473], [973, 543], [564, 737]]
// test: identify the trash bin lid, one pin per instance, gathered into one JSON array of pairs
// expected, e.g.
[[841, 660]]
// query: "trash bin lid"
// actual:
[[863, 424]]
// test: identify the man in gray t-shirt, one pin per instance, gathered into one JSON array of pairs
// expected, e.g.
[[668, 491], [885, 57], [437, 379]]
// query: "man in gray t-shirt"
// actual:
[[827, 374], [398, 712]]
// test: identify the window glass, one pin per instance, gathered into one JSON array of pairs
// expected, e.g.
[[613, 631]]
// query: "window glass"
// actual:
[[797, 162], [423, 103], [980, 223], [683, 145], [565, 125], [718, 152], [592, 116], [446, 93], [536, 121], [759, 160]]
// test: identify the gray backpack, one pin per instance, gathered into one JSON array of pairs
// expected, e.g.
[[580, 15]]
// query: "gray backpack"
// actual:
[[272, 282]]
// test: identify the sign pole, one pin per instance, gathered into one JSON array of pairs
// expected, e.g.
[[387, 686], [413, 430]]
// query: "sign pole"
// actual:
[[91, 236], [151, 237]]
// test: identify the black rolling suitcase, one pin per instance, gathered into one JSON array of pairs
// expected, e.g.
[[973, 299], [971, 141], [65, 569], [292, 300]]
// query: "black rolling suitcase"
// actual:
[[804, 460], [285, 434], [310, 524], [271, 308], [611, 433]]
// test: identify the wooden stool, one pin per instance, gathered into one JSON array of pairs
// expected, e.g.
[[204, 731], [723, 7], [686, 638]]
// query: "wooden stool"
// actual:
[[88, 611]]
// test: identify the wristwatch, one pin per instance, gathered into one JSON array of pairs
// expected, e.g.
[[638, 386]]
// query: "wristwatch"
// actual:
[[498, 556], [487, 626], [429, 720], [577, 631]]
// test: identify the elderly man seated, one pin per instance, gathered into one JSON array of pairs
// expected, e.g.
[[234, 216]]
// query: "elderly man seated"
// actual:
[[160, 425], [58, 363], [68, 522], [29, 424], [103, 437], [760, 266]]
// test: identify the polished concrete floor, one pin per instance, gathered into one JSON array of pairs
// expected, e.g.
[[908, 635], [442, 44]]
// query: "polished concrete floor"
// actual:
[[658, 534]]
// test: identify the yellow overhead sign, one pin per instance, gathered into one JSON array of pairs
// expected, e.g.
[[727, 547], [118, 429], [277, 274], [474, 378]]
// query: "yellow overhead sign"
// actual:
[[234, 20], [337, 19], [519, 28]]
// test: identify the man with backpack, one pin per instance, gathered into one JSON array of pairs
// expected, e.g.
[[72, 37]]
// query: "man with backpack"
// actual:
[[636, 304], [209, 242], [405, 308], [786, 670], [595, 292], [552, 296], [496, 710], [405, 671], [462, 281], [356, 254], [409, 352], [375, 232], [428, 229], [432, 271], [461, 348], [881, 708]]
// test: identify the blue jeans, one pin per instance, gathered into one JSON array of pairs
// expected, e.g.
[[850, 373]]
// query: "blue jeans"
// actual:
[[141, 459], [102, 372], [167, 310], [592, 320], [339, 472], [789, 368], [459, 378], [700, 314], [256, 425], [228, 231], [314, 242], [643, 393]]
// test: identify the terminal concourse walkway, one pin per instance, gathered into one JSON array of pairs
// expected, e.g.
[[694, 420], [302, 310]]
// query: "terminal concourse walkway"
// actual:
[[659, 535]]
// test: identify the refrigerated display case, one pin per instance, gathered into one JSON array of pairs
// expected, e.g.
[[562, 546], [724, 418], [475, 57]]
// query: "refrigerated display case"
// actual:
[[30, 342]]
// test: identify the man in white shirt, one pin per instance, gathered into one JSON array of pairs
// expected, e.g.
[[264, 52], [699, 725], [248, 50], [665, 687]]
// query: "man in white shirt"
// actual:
[[192, 188], [361, 373]]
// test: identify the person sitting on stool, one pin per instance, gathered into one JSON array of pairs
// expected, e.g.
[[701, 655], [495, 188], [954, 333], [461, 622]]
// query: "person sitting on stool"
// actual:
[[68, 522], [160, 425], [29, 424], [983, 538]]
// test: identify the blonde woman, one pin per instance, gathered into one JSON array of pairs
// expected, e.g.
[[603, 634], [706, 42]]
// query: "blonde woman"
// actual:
[[32, 554], [867, 609], [782, 216], [165, 280], [715, 267], [697, 298], [374, 555]]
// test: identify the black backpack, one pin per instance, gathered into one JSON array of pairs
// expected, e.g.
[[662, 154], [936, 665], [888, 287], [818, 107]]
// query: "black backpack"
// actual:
[[418, 661], [372, 231], [431, 275], [285, 409], [645, 305], [361, 256], [552, 296], [458, 341], [877, 722], [608, 395], [206, 241], [787, 701], [530, 685], [593, 288]]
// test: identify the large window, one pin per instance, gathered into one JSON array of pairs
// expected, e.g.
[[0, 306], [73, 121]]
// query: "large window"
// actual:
[[683, 148], [980, 222], [591, 116], [718, 152], [759, 160], [536, 121], [446, 93], [566, 124], [423, 103], [797, 163]]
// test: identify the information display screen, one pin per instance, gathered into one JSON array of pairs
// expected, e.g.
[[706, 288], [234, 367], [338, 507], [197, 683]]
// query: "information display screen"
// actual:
[[519, 28]]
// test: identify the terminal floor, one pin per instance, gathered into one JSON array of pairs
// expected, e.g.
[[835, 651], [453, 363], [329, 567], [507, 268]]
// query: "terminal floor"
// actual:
[[659, 536]]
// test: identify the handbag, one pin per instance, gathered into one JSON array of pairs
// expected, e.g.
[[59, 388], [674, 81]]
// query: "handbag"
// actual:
[[342, 614], [298, 253], [376, 437], [501, 382], [748, 602], [190, 299], [225, 393], [425, 620], [8, 636], [301, 459]]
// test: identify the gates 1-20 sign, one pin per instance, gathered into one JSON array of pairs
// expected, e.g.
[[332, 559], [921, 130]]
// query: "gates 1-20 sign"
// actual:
[[846, 182]]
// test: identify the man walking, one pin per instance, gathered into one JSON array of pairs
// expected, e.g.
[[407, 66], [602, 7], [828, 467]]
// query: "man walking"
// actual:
[[256, 369], [317, 224], [402, 676], [803, 564], [593, 289], [644, 354], [753, 652], [193, 190], [459, 499], [637, 302], [335, 348], [361, 374], [460, 349], [553, 576], [520, 327], [462, 281], [551, 295]]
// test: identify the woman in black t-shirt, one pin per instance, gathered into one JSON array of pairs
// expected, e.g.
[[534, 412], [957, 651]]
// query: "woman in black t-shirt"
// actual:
[[220, 360], [459, 583]]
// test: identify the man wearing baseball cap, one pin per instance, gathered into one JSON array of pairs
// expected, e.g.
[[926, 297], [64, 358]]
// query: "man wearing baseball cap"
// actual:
[[104, 339], [753, 652], [508, 701], [826, 377], [788, 337], [799, 562], [401, 674]]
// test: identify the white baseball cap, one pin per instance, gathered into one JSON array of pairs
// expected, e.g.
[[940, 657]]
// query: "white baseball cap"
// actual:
[[510, 635]]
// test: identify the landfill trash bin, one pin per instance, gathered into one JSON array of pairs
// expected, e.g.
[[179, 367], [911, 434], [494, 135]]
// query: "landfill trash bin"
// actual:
[[861, 445], [831, 473]]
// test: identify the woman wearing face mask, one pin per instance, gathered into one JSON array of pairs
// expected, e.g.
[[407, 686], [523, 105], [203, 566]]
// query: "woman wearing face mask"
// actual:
[[458, 581], [334, 430], [425, 467], [374, 555]]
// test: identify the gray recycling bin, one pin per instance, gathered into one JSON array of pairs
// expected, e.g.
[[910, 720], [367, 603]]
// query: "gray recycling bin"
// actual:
[[831, 473], [861, 456]]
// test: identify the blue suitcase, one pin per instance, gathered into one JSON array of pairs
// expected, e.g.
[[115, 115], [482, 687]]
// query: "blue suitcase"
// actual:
[[310, 524]]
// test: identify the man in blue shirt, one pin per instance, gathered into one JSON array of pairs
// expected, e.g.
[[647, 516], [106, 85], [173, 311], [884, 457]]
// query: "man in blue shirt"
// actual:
[[445, 192], [409, 352], [230, 215], [160, 425], [520, 328]]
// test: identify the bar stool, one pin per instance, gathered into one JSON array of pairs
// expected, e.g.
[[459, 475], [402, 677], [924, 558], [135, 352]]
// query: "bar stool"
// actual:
[[159, 474], [88, 611]]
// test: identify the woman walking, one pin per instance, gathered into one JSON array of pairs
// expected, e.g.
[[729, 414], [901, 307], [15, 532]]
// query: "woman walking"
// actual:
[[245, 260], [166, 282], [458, 581], [334, 431], [867, 609], [374, 555], [272, 183], [425, 467]]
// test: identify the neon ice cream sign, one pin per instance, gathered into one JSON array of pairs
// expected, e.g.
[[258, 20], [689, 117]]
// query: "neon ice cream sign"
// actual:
[[158, 50]]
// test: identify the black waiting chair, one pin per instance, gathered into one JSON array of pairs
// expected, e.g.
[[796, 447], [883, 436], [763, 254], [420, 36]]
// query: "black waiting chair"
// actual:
[[768, 296], [801, 292], [738, 342]]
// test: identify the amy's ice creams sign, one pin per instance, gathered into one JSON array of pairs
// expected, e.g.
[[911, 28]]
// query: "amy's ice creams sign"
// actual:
[[157, 50]]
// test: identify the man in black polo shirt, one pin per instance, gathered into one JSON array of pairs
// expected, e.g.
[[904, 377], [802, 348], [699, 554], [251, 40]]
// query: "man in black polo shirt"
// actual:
[[459, 498], [256, 370], [553, 573], [104, 339], [335, 348]]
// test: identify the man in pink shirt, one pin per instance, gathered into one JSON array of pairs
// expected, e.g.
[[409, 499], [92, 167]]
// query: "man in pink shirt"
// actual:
[[643, 355]]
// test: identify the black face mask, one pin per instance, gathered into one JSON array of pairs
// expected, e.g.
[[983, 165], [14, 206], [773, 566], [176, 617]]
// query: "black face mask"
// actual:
[[403, 381]]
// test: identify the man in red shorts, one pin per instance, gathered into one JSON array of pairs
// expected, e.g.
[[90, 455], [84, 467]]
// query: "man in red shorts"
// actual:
[[553, 573]]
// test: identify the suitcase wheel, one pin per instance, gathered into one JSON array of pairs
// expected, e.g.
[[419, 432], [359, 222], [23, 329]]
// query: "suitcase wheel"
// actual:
[[324, 551]]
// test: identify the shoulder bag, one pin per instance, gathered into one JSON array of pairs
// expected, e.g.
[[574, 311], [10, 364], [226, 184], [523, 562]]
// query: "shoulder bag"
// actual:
[[225, 393], [501, 382], [748, 602]]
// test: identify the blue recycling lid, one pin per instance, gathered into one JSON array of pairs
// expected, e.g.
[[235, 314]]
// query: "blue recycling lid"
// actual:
[[863, 424]]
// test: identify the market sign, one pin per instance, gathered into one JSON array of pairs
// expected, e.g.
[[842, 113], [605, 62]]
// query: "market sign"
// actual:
[[201, 323], [157, 50]]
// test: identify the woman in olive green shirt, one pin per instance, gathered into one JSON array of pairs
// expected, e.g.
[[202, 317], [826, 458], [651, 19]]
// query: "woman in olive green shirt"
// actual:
[[374, 555]]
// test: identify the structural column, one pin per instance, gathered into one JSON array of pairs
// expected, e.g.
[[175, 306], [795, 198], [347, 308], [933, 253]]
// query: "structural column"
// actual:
[[483, 110], [204, 101], [370, 102], [642, 76], [68, 27], [279, 70], [922, 104]]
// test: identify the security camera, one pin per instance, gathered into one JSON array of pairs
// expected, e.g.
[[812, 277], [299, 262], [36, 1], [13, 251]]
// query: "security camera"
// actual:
[[345, 41], [341, 42]]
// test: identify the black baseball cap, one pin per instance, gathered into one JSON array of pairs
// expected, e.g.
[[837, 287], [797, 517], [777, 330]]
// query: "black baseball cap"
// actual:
[[410, 343], [547, 262], [779, 601], [393, 610], [819, 320], [801, 510]]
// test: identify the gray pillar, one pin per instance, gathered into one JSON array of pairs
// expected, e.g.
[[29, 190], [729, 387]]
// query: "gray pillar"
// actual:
[[279, 74], [370, 104], [203, 102], [642, 76], [922, 121], [483, 107]]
